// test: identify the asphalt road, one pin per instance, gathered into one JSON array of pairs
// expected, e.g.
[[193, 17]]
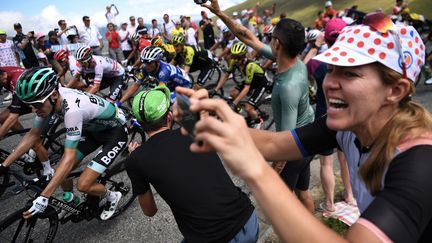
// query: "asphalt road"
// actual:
[[132, 225]]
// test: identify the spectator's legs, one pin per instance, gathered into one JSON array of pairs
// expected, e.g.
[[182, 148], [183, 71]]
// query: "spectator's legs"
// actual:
[[348, 194], [327, 180]]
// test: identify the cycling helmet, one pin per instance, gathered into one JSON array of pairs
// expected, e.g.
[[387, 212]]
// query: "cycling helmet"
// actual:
[[151, 53], [36, 84], [61, 55], [178, 39], [275, 20], [313, 34], [225, 30], [239, 48], [134, 37], [157, 41], [83, 54], [268, 30]]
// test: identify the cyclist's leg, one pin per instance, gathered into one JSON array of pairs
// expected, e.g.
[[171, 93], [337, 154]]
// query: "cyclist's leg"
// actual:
[[235, 92], [115, 88], [204, 75], [258, 90]]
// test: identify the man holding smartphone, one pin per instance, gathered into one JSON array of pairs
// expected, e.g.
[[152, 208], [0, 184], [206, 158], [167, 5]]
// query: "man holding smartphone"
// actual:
[[206, 204]]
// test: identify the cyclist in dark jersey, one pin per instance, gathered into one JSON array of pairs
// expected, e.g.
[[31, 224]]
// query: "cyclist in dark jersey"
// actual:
[[193, 59], [386, 138], [9, 118], [254, 83]]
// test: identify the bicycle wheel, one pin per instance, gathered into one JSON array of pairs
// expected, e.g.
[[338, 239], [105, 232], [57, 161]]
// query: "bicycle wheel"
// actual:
[[237, 76], [40, 228], [117, 179]]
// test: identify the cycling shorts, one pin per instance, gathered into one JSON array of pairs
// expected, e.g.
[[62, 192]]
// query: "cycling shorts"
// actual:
[[18, 107], [257, 90], [296, 174], [116, 85], [112, 142], [205, 74]]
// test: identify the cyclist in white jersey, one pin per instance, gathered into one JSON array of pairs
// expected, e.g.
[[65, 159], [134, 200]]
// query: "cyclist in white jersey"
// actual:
[[68, 63], [107, 72], [87, 118]]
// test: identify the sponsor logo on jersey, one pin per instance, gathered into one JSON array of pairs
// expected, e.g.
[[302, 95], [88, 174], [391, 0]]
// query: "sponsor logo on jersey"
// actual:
[[72, 131]]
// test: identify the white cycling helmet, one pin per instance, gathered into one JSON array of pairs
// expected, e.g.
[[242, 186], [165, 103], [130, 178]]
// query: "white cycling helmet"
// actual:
[[134, 37], [151, 53], [83, 54], [312, 35]]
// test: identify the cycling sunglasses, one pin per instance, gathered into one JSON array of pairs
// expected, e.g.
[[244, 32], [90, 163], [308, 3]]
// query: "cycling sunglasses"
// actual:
[[147, 61], [384, 25], [38, 104]]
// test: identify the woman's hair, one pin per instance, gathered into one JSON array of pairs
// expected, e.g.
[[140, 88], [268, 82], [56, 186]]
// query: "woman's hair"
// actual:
[[411, 120]]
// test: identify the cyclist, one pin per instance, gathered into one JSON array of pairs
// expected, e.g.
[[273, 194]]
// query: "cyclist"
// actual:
[[87, 119], [134, 41], [255, 83], [9, 119], [169, 51], [107, 72], [67, 63], [165, 73], [193, 59]]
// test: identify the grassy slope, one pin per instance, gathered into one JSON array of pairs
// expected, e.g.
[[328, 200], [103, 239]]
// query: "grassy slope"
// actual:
[[305, 10]]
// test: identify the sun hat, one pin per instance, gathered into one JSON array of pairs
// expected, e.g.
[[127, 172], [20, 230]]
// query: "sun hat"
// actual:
[[2, 32], [364, 44], [39, 35], [151, 106], [328, 4]]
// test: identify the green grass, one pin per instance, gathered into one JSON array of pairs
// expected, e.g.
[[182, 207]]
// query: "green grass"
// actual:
[[305, 10]]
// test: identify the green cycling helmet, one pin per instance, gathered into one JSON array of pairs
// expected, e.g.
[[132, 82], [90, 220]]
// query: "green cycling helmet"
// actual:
[[36, 84], [178, 39], [239, 48], [150, 106]]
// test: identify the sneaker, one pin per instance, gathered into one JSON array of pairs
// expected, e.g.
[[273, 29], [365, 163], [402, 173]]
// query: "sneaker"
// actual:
[[110, 207], [428, 82]]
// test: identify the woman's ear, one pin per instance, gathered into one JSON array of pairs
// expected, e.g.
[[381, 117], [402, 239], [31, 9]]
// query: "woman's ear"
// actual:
[[399, 90]]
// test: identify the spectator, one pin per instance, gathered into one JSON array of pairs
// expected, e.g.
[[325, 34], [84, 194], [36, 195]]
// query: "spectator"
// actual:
[[125, 44], [190, 34], [140, 24], [91, 36], [52, 40], [268, 13], [25, 47], [206, 204], [206, 25], [110, 16], [114, 40], [168, 26], [132, 27], [178, 29], [8, 52], [235, 17], [65, 31], [330, 12], [194, 26], [39, 45], [154, 30], [319, 22]]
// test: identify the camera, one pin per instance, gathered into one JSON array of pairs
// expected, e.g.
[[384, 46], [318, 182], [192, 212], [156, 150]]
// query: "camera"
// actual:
[[200, 1]]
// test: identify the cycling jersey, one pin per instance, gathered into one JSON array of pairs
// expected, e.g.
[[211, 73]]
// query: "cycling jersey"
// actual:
[[169, 51], [12, 76], [84, 111], [105, 67], [195, 57], [74, 65], [143, 43], [402, 210], [169, 75], [252, 71]]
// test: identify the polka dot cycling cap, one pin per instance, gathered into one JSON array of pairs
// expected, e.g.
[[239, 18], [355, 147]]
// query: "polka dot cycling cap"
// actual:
[[362, 44]]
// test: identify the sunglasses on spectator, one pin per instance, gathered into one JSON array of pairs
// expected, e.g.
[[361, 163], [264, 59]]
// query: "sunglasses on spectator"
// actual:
[[383, 24]]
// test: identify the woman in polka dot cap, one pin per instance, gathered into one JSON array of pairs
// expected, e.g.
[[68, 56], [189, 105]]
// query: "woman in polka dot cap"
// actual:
[[386, 138]]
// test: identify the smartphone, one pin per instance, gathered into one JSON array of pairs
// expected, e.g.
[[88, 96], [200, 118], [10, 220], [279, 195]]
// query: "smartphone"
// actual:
[[188, 118], [200, 1]]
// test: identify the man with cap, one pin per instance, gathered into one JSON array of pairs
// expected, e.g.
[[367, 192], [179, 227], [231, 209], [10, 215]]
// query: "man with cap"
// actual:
[[25, 49], [330, 12], [206, 204], [206, 25], [91, 36], [178, 30], [8, 52], [236, 18]]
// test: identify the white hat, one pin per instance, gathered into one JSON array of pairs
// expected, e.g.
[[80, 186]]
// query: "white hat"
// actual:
[[360, 44], [244, 12], [328, 4], [235, 13]]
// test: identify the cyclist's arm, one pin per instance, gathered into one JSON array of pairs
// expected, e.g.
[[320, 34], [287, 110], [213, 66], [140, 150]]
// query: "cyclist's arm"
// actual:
[[223, 53], [267, 65], [147, 203], [94, 88], [129, 92], [65, 167], [242, 94], [214, 47], [186, 69], [27, 142], [241, 32], [222, 81], [8, 123], [137, 64], [73, 81]]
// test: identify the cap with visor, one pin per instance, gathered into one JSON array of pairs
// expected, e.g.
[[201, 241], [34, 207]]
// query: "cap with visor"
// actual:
[[151, 106]]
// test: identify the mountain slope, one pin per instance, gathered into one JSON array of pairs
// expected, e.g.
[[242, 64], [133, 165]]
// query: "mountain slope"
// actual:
[[305, 10]]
